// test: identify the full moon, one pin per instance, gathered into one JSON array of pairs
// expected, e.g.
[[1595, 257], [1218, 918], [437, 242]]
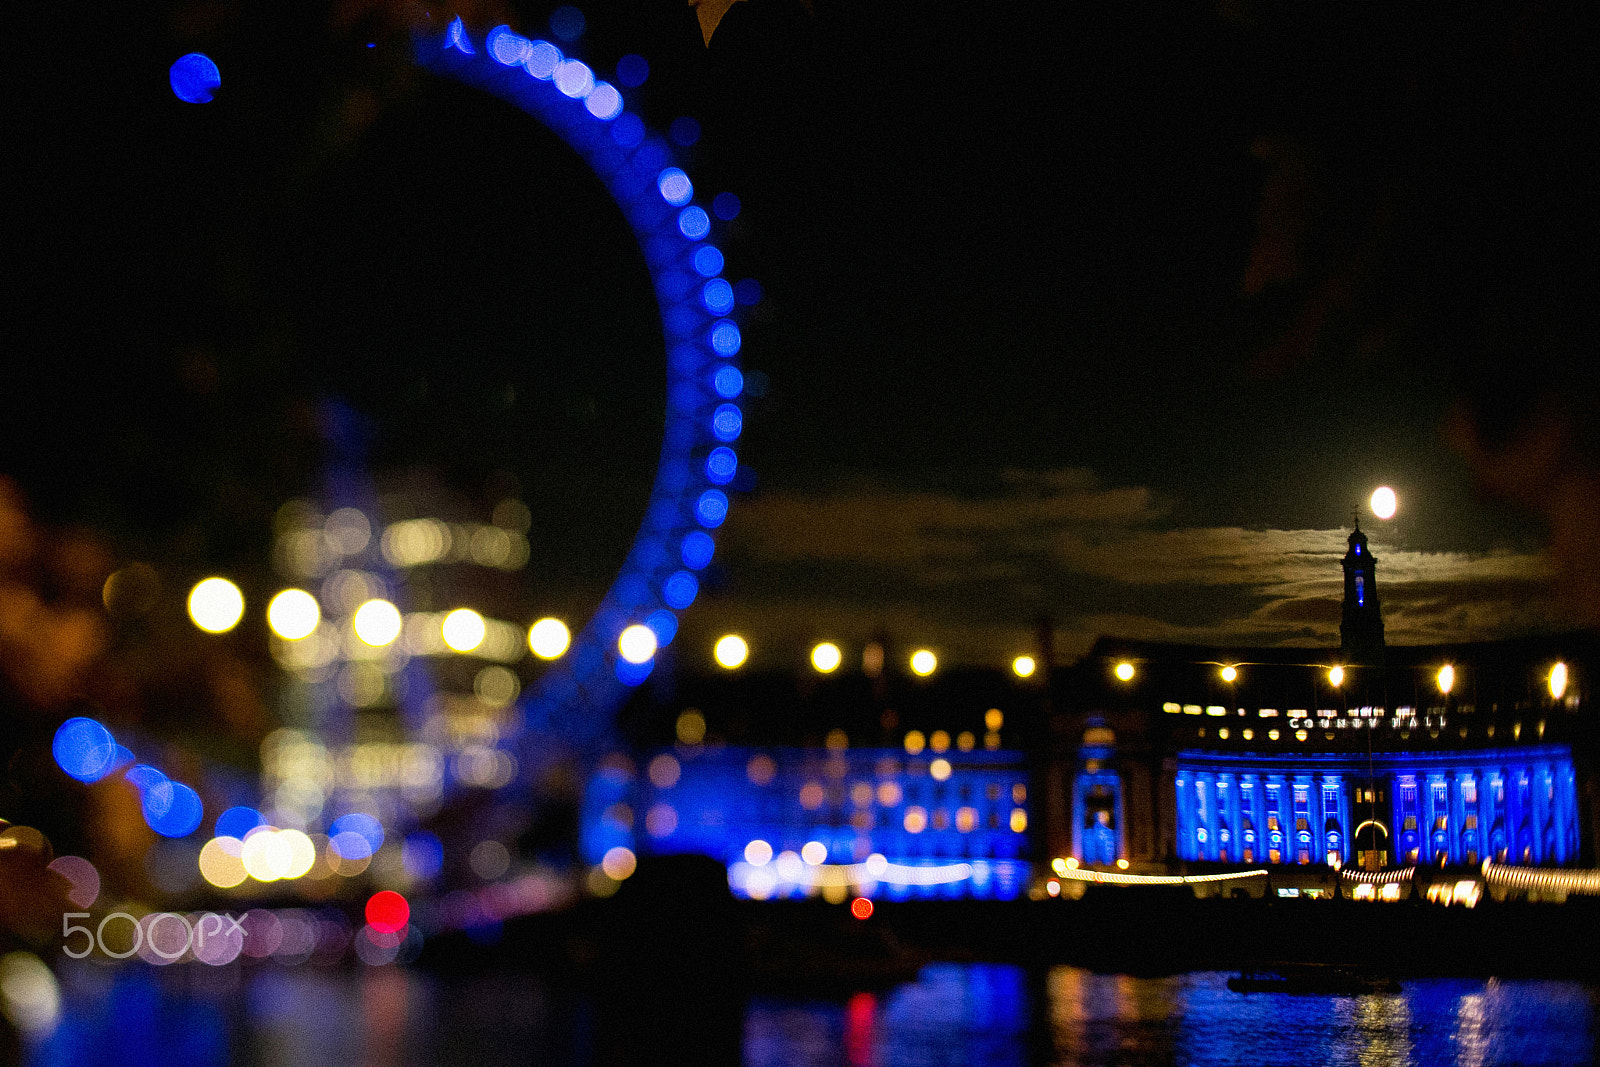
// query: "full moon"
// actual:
[[1383, 502]]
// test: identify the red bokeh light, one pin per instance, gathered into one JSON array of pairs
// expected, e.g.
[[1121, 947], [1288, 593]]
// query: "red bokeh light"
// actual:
[[388, 912], [861, 908]]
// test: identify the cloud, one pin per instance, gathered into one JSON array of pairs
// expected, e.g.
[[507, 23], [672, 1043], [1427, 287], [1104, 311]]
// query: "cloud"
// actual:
[[978, 564]]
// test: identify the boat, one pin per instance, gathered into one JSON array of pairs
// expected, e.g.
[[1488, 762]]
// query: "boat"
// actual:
[[1324, 978]]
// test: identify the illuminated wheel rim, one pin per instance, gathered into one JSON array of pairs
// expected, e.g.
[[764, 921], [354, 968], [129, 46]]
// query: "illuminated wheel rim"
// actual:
[[659, 577]]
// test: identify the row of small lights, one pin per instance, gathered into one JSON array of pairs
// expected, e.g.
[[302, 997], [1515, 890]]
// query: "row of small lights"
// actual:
[[216, 605], [1445, 679]]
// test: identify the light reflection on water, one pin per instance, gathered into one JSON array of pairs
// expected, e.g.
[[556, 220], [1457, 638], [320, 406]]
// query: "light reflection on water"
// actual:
[[993, 1015]]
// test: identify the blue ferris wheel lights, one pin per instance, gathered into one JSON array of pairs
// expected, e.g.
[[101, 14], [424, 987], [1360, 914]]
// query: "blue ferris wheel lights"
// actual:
[[708, 261], [728, 382], [456, 37], [567, 23], [632, 71], [574, 78], [507, 48], [694, 223], [725, 338], [603, 102], [628, 130], [543, 59], [726, 422], [631, 674], [680, 589], [684, 130], [657, 198], [675, 186], [697, 549], [664, 624], [712, 508], [717, 296], [721, 465]]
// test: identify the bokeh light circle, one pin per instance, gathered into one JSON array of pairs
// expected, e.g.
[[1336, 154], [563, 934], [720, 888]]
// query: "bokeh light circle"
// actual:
[[659, 201], [377, 623], [731, 651], [826, 657], [388, 911], [194, 78], [293, 614], [84, 749], [216, 605], [549, 638]]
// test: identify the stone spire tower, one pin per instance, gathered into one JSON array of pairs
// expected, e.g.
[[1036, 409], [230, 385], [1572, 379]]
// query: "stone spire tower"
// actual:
[[1361, 627]]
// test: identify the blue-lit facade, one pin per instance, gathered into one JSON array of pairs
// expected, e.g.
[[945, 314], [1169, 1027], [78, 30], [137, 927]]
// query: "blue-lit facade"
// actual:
[[1509, 805], [872, 822]]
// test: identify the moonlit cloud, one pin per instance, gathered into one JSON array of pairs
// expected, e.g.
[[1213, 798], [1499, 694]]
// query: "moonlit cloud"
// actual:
[[976, 566]]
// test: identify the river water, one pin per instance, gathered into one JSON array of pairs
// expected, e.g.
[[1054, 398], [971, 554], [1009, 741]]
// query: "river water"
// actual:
[[952, 1014]]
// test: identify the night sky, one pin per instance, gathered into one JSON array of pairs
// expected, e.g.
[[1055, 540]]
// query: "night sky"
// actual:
[[1103, 313]]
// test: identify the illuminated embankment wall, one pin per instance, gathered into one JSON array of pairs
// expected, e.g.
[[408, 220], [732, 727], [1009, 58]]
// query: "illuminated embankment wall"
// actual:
[[796, 822], [1511, 805]]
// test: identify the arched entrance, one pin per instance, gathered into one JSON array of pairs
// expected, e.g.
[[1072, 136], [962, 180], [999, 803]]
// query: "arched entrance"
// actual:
[[1372, 845]]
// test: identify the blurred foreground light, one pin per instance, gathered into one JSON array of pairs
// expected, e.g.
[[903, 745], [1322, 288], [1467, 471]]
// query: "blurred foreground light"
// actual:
[[731, 651], [923, 662], [619, 863], [84, 749], [1335, 676], [388, 911], [293, 614], [939, 770], [815, 853], [1558, 680], [861, 908], [29, 995], [216, 605], [377, 623], [1384, 502], [464, 629], [758, 853], [637, 643], [691, 727], [221, 862], [826, 657], [1024, 666], [1124, 671], [82, 874], [194, 78], [549, 638], [915, 742], [1446, 678]]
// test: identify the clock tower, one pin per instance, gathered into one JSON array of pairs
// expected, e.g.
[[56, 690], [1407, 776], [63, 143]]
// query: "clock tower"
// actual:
[[1361, 627]]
